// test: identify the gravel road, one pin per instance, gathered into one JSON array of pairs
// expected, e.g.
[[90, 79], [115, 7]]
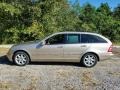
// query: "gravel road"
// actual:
[[60, 76]]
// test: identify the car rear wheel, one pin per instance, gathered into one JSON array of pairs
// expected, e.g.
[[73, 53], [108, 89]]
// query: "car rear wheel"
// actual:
[[21, 58], [89, 60]]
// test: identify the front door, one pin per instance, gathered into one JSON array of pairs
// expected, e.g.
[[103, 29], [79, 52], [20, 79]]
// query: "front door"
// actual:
[[53, 49]]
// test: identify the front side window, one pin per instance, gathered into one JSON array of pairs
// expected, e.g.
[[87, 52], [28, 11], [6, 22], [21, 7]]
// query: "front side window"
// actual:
[[87, 38], [72, 38], [57, 39]]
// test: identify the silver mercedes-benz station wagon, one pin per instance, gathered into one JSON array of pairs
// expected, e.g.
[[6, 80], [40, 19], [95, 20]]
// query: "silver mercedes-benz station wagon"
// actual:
[[83, 47]]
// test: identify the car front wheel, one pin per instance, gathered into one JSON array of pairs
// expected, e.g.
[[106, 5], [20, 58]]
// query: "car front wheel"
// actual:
[[21, 58], [89, 60]]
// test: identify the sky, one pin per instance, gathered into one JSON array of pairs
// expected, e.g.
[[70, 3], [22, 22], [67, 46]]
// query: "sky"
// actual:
[[96, 3]]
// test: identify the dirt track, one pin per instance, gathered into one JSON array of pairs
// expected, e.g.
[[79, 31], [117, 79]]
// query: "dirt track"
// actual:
[[60, 76]]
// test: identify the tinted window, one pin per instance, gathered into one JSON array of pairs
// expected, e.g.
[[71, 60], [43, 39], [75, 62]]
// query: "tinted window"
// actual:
[[72, 38], [87, 38], [57, 39]]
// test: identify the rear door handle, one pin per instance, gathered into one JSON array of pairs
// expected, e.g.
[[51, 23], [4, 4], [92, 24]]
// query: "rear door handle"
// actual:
[[83, 45]]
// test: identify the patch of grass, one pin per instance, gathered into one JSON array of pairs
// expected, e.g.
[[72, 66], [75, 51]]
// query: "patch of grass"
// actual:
[[5, 85], [114, 74], [88, 80], [33, 83], [68, 87], [63, 73], [116, 43], [3, 51]]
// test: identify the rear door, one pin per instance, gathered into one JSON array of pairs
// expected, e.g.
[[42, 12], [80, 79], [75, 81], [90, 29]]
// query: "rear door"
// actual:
[[73, 49]]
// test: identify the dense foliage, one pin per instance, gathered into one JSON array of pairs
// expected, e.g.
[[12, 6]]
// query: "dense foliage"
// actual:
[[26, 20]]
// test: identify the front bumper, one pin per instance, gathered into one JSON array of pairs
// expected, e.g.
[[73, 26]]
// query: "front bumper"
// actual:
[[10, 55]]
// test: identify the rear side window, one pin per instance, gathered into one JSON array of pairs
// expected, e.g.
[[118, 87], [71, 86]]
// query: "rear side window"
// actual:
[[73, 38], [87, 38]]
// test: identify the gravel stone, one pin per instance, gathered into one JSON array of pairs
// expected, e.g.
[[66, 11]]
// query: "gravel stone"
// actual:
[[60, 76]]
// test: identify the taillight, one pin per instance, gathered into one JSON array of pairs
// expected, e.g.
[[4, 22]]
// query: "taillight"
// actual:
[[110, 48]]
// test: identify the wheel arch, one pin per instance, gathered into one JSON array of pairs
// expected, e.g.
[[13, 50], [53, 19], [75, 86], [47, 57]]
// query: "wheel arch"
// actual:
[[21, 51], [91, 53]]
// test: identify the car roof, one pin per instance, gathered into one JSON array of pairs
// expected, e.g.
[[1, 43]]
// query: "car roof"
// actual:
[[76, 33]]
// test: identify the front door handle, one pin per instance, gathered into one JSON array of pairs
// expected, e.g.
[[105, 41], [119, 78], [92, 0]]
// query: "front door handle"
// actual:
[[60, 47]]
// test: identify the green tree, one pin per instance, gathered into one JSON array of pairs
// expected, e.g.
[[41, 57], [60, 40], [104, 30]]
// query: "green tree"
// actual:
[[104, 9], [24, 20], [87, 16], [116, 13], [105, 23]]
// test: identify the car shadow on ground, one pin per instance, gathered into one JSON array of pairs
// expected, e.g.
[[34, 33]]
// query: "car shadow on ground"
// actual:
[[4, 60], [57, 63]]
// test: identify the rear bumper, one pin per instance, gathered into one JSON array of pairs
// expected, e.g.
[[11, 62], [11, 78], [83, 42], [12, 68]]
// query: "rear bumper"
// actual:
[[106, 56]]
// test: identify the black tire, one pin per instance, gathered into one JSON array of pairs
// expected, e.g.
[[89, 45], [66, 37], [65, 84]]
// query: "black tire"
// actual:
[[24, 61], [91, 62]]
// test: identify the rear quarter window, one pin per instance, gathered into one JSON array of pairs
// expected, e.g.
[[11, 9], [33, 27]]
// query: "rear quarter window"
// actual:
[[88, 38]]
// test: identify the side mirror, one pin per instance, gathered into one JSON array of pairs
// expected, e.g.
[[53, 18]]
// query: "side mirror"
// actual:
[[42, 43]]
